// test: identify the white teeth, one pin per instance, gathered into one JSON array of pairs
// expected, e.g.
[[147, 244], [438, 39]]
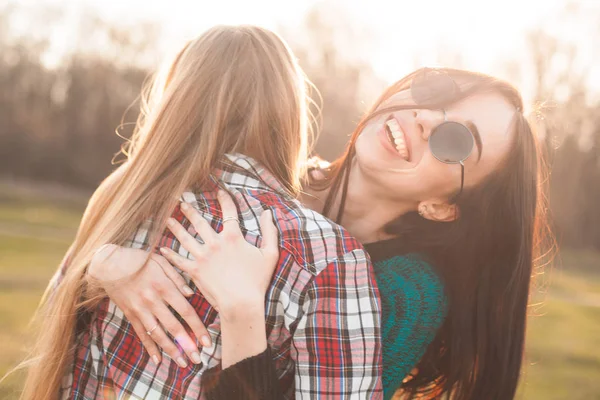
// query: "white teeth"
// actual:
[[396, 132], [394, 128], [402, 152]]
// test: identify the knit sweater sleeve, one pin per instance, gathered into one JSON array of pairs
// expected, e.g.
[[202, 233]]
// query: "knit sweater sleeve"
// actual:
[[413, 309], [253, 378]]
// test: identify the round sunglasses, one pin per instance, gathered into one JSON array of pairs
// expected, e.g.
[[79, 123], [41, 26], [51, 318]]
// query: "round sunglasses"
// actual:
[[450, 142]]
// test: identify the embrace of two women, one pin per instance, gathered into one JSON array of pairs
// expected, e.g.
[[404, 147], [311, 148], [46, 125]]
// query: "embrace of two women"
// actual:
[[220, 262]]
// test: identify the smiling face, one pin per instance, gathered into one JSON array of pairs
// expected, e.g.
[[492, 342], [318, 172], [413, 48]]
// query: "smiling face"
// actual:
[[393, 150]]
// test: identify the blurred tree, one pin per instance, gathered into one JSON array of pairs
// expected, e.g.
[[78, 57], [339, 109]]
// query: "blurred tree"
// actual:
[[589, 197], [58, 123], [330, 48], [562, 99], [58, 119]]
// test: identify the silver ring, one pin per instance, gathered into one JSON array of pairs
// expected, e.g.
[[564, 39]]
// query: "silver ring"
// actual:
[[231, 219], [149, 333]]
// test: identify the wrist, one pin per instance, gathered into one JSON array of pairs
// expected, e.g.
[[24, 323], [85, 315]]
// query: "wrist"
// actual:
[[96, 268], [243, 310], [243, 332]]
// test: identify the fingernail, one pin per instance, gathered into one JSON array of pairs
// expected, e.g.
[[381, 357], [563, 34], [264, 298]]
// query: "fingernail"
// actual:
[[187, 290], [181, 362], [196, 358], [163, 250], [155, 359], [205, 340], [185, 206], [170, 222], [221, 193]]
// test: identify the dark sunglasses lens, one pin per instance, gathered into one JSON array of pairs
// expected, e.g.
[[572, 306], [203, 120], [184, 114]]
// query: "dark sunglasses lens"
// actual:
[[433, 87], [451, 142]]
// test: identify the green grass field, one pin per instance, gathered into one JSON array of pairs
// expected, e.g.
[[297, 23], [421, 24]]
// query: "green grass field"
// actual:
[[563, 348]]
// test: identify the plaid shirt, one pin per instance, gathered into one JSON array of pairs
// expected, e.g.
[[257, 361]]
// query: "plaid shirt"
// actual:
[[322, 309]]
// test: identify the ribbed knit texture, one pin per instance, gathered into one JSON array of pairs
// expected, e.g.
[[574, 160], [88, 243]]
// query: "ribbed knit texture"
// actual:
[[251, 379], [413, 308]]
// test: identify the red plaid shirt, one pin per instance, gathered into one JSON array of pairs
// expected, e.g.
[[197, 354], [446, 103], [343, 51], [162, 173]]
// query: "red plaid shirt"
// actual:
[[323, 311]]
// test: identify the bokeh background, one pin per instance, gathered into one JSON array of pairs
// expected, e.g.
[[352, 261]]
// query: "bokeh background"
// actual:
[[70, 72]]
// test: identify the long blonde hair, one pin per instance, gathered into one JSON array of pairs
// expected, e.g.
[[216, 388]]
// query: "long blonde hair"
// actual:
[[231, 90]]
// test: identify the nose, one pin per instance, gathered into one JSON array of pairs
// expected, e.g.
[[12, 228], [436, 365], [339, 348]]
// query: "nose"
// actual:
[[427, 120]]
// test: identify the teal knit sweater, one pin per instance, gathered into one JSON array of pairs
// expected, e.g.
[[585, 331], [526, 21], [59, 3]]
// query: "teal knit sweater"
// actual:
[[413, 309]]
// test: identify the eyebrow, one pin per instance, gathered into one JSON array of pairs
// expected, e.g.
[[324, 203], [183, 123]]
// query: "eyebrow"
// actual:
[[473, 128]]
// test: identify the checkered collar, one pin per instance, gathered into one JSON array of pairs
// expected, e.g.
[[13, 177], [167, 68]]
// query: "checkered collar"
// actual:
[[242, 171]]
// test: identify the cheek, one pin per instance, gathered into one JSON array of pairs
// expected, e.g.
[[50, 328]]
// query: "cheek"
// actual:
[[430, 178], [365, 151], [370, 151], [436, 179]]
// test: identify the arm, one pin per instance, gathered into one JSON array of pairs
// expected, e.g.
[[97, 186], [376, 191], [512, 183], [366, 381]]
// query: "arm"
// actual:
[[144, 286], [234, 276], [338, 339], [250, 379], [243, 331]]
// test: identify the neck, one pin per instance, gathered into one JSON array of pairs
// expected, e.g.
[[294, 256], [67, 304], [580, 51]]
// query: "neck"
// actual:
[[366, 212]]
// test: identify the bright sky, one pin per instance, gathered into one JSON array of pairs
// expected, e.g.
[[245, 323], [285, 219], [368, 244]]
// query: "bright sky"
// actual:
[[402, 32]]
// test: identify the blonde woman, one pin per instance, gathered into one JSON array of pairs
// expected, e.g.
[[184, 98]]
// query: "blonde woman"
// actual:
[[231, 113]]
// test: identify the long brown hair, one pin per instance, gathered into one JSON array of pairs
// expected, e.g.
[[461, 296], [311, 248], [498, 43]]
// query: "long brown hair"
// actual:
[[231, 90], [486, 257]]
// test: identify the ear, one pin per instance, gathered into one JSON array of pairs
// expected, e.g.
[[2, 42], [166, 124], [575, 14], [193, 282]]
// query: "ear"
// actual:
[[438, 211]]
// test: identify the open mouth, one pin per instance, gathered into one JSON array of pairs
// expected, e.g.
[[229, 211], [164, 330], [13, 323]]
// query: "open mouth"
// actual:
[[397, 137]]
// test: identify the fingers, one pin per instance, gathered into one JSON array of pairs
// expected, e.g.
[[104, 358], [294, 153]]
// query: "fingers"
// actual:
[[201, 226], [160, 337], [176, 329], [173, 275], [188, 241], [187, 312], [184, 264], [146, 340], [270, 240], [179, 304], [229, 211]]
